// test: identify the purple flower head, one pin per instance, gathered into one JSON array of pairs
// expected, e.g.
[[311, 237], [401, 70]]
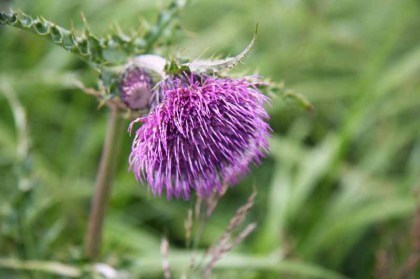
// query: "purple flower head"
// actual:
[[203, 134], [136, 88]]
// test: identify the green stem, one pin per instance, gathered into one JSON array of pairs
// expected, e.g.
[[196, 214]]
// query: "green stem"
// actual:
[[104, 179]]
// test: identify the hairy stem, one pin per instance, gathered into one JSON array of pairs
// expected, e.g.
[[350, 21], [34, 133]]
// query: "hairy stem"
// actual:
[[104, 179]]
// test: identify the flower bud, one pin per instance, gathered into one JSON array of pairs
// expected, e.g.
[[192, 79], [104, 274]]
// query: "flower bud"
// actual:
[[136, 88]]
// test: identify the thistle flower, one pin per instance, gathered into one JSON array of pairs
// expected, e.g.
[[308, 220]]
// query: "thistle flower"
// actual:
[[136, 88], [203, 133]]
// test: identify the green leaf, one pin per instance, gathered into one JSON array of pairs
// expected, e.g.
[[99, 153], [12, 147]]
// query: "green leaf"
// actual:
[[115, 49], [174, 68], [164, 23], [48, 267], [222, 64], [87, 47], [179, 262]]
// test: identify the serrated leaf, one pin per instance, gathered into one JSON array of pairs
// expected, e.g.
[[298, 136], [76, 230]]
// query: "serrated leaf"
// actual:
[[98, 51], [41, 26], [56, 34], [116, 49], [215, 66], [8, 17]]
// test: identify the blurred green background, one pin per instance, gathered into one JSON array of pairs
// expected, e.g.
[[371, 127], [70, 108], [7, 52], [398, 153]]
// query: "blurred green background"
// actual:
[[336, 196]]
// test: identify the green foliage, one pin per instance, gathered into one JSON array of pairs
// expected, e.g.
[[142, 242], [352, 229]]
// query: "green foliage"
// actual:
[[103, 53], [174, 67], [335, 192], [87, 47], [114, 49]]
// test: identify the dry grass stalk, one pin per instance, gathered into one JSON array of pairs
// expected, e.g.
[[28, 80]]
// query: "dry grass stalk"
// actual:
[[224, 245], [240, 214], [210, 205], [197, 231], [244, 234], [164, 250], [188, 224], [197, 207], [212, 201], [385, 263], [382, 264], [412, 265]]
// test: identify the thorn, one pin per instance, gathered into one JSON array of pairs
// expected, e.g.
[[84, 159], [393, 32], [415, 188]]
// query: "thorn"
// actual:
[[256, 29], [118, 28], [102, 103], [113, 27], [84, 20], [72, 26], [86, 27]]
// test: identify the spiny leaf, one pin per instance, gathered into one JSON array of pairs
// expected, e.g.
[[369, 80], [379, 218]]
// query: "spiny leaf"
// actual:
[[89, 48], [222, 64], [114, 49], [133, 44], [288, 93], [301, 99], [164, 21]]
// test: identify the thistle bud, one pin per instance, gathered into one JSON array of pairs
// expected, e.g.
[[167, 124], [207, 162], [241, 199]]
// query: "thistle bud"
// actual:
[[136, 88], [138, 79]]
